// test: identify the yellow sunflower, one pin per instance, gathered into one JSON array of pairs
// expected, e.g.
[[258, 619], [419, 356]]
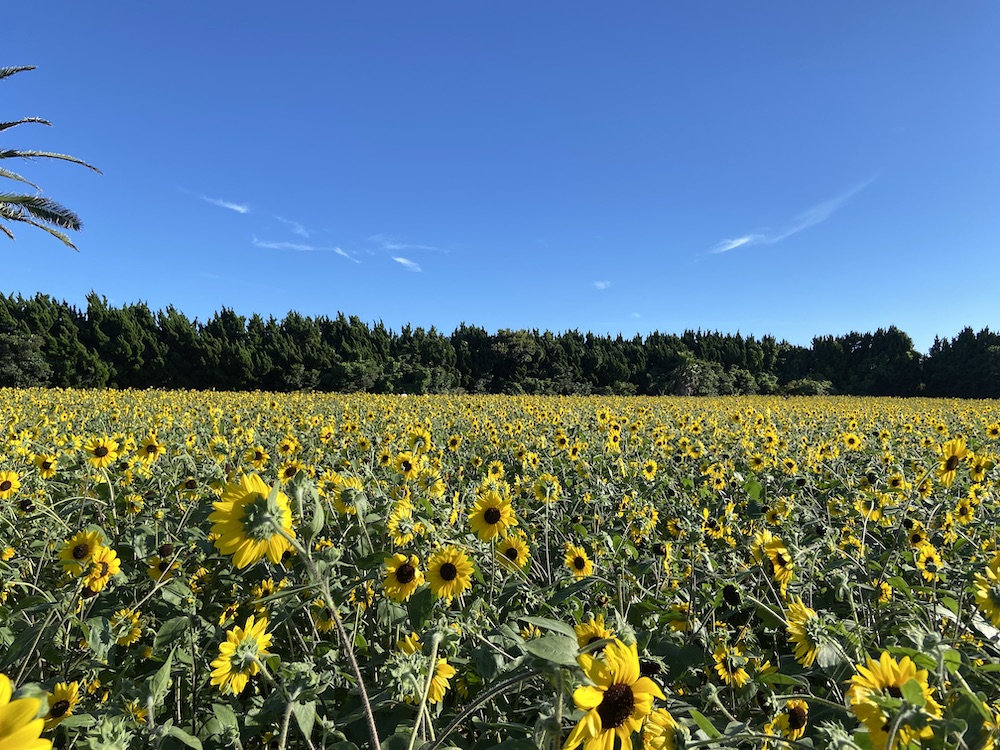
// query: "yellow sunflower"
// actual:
[[239, 657], [151, 449], [577, 561], [46, 464], [62, 701], [19, 727], [662, 732], [9, 484], [78, 551], [729, 665], [125, 627], [104, 564], [952, 454], [804, 631], [491, 516], [402, 576], [246, 519], [987, 589], [885, 678], [790, 723], [443, 672], [592, 630], [617, 702], [449, 572], [514, 551], [101, 452]]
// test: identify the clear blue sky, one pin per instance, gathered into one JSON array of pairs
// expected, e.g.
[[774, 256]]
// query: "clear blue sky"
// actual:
[[785, 168]]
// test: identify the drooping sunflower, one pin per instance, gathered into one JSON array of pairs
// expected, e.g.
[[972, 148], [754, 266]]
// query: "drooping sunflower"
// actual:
[[987, 589], [491, 516], [322, 616], [104, 564], [62, 701], [804, 631], [443, 671], [78, 551], [402, 576], [19, 727], [662, 732], [953, 453], [449, 572], [246, 518], [592, 630], [9, 484], [885, 677], [101, 451], [125, 627], [782, 564], [346, 490], [239, 657], [409, 644], [791, 722], [729, 665], [514, 550], [618, 701], [577, 561], [547, 488]]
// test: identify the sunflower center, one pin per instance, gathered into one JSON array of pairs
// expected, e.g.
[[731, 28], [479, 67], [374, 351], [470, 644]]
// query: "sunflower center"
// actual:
[[59, 708], [405, 573], [6, 485], [616, 706], [81, 551], [151, 450], [46, 465], [101, 451], [406, 466], [449, 572], [491, 516], [796, 717], [951, 464], [579, 563], [191, 484], [510, 553], [894, 691]]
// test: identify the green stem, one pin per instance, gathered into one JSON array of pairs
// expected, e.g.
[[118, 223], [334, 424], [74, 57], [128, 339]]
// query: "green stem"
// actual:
[[435, 642]]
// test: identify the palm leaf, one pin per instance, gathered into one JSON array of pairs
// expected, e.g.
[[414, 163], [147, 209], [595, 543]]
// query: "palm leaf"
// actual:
[[15, 176], [43, 209], [29, 155], [54, 232], [8, 72], [6, 125]]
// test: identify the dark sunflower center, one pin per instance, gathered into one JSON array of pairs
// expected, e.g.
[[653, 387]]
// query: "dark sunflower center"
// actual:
[[510, 553], [616, 706], [951, 464], [191, 484], [59, 708], [405, 573], [449, 572], [894, 691], [796, 717], [916, 538], [81, 551], [579, 563], [151, 449], [731, 595], [100, 451], [6, 485], [406, 466], [46, 465], [491, 516], [164, 566]]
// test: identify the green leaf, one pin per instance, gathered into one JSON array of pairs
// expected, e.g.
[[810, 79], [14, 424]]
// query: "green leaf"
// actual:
[[913, 693], [159, 684], [318, 517], [556, 649], [705, 725], [100, 639], [546, 623], [952, 660], [777, 678], [419, 607], [225, 715], [179, 734], [170, 632], [305, 716], [574, 589]]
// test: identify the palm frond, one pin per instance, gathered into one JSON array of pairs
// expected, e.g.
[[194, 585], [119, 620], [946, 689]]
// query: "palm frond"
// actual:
[[15, 176], [7, 125], [54, 232], [6, 231], [8, 71], [43, 209], [29, 155]]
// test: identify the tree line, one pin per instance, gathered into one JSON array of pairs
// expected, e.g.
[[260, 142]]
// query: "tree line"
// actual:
[[44, 342]]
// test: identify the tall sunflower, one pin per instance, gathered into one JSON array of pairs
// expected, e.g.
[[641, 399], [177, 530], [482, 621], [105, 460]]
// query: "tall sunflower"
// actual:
[[402, 576], [491, 516], [19, 727], [101, 451], [62, 701], [449, 572], [952, 454], [884, 677], [78, 551], [239, 657], [577, 561], [514, 550], [987, 588], [245, 520], [804, 631], [618, 701]]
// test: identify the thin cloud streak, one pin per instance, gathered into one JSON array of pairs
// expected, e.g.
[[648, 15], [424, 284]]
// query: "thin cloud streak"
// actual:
[[407, 264], [602, 284], [298, 247], [240, 208], [392, 244], [808, 218], [295, 227]]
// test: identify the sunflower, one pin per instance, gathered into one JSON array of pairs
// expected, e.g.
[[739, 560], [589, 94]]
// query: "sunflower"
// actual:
[[402, 576], [781, 563], [443, 672], [289, 469], [322, 616], [406, 465], [161, 568], [62, 701], [125, 627], [987, 589], [547, 488], [256, 456], [928, 561], [409, 644], [9, 484], [662, 732], [101, 451], [239, 657], [104, 564], [804, 630], [78, 551], [151, 449], [618, 701], [491, 516], [46, 464], [729, 665], [400, 525], [577, 561], [19, 727], [449, 572], [952, 454], [247, 521], [649, 470], [790, 723], [346, 491], [592, 630], [884, 678], [514, 550]]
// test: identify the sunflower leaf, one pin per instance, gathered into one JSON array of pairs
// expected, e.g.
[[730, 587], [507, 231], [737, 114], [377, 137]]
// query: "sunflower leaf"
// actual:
[[556, 649], [705, 725], [546, 623], [913, 693]]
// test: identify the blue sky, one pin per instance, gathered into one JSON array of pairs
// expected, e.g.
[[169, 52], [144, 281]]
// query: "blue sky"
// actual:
[[783, 168]]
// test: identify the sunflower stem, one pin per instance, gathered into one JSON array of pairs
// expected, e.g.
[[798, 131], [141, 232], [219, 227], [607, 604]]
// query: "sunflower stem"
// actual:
[[431, 670]]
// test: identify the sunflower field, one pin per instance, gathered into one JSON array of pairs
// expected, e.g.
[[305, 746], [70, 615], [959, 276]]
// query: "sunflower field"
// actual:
[[251, 570]]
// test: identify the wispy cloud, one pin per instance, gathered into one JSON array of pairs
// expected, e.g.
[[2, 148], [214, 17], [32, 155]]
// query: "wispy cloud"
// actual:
[[407, 264], [808, 218], [301, 248], [295, 227], [240, 208], [392, 244], [602, 284]]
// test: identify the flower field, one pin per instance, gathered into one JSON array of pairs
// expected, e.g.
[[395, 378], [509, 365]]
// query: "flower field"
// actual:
[[223, 570]]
